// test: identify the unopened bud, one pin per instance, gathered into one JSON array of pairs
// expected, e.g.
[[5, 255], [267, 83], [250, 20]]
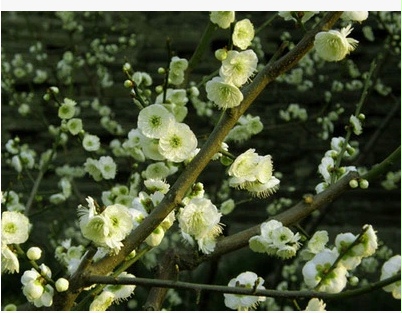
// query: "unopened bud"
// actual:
[[221, 54], [363, 184], [62, 284], [128, 83], [353, 183], [34, 253]]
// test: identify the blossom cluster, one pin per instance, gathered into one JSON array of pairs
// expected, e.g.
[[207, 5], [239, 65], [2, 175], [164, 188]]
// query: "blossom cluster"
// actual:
[[327, 270], [276, 240], [327, 168], [15, 228], [248, 280], [253, 173], [237, 67]]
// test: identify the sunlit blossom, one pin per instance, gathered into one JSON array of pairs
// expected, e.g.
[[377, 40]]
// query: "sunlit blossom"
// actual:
[[223, 94], [154, 120], [222, 18], [248, 280], [238, 67], [243, 34], [177, 143], [333, 45]]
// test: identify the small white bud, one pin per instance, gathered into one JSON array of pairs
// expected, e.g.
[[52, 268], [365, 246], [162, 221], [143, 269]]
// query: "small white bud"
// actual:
[[62, 284], [34, 253]]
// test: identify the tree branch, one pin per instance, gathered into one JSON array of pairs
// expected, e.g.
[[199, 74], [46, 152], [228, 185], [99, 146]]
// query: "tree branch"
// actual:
[[240, 290], [200, 161]]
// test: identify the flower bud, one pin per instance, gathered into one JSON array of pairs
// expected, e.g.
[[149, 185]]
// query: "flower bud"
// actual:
[[353, 183], [62, 284], [126, 67], [128, 83], [34, 253], [221, 54], [363, 184]]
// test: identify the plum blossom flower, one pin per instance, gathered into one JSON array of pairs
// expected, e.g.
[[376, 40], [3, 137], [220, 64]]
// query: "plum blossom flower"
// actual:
[[238, 67], [390, 268], [315, 245], [177, 67], [178, 143], [91, 142], [121, 292], [35, 287], [102, 301], [243, 33], [9, 260], [315, 304], [248, 280], [315, 273], [275, 239], [67, 109], [107, 228], [154, 120], [358, 16], [15, 227], [333, 45], [200, 219], [222, 18], [223, 94], [253, 172]]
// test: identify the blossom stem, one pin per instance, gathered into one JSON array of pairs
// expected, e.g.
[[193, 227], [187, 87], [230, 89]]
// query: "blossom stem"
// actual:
[[367, 84]]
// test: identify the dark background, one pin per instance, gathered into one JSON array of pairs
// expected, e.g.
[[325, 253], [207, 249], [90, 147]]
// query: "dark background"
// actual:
[[295, 148]]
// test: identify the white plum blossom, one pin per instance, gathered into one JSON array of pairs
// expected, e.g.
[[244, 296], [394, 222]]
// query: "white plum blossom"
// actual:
[[177, 67], [35, 287], [316, 275], [315, 244], [121, 292], [222, 18], [107, 228], [238, 67], [9, 260], [254, 173], [391, 268], [223, 94], [358, 16], [154, 120], [67, 109], [333, 45], [247, 280], [107, 167], [356, 124], [315, 304], [275, 239], [91, 142], [15, 227], [243, 34], [200, 219], [178, 143], [102, 301]]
